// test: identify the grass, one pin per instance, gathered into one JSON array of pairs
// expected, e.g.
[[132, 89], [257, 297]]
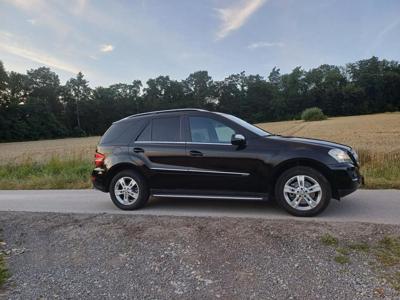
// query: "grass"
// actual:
[[394, 280], [386, 253], [53, 174], [3, 270], [38, 164], [342, 259], [381, 170], [359, 247], [329, 240], [342, 251], [4, 274]]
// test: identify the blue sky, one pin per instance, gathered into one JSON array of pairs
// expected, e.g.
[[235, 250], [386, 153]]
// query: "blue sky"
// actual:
[[120, 41]]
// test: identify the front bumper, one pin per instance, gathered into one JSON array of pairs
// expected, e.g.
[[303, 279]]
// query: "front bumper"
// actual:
[[346, 179]]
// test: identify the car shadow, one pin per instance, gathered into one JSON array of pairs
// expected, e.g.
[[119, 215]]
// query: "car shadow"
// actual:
[[347, 209], [215, 206]]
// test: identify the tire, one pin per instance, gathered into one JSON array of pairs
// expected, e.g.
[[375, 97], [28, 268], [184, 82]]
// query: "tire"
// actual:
[[307, 206], [139, 189]]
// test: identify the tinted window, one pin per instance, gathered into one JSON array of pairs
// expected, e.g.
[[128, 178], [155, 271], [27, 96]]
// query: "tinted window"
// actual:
[[166, 129], [121, 133], [206, 130], [145, 135]]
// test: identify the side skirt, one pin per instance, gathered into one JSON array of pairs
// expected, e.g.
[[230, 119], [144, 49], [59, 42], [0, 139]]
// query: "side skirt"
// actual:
[[208, 195]]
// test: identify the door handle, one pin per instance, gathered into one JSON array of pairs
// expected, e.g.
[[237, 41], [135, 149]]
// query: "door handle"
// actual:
[[195, 153], [138, 150]]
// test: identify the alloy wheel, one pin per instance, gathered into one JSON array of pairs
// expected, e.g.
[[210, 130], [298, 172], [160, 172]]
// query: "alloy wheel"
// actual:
[[302, 192], [126, 190]]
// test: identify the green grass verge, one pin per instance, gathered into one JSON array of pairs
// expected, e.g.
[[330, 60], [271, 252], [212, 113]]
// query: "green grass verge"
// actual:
[[54, 174], [379, 172]]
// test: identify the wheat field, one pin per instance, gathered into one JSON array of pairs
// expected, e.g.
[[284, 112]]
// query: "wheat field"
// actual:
[[376, 133], [379, 133], [42, 164]]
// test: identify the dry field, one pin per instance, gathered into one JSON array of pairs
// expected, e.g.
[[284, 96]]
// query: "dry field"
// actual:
[[375, 133], [39, 151], [376, 137]]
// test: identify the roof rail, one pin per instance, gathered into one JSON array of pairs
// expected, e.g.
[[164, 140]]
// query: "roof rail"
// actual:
[[166, 111]]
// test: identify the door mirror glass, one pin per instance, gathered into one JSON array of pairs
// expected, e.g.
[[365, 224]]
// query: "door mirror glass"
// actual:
[[238, 139]]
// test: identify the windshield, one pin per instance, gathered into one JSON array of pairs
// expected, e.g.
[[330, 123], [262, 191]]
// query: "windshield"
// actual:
[[256, 130]]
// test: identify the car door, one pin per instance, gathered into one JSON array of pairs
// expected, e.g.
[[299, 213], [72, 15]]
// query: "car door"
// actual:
[[162, 148], [215, 164]]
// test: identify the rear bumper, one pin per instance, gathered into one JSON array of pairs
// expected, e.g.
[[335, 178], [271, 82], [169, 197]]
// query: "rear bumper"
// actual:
[[346, 179], [99, 180]]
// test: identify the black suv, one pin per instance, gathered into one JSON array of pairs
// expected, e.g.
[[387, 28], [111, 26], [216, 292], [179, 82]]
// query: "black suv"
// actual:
[[193, 153]]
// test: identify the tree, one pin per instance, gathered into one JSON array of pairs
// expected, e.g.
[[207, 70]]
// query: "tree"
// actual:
[[76, 90], [44, 84], [35, 105], [199, 88]]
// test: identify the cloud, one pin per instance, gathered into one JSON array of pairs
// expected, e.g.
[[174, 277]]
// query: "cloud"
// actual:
[[32, 21], [233, 17], [79, 7], [265, 45], [106, 48], [18, 49], [380, 38]]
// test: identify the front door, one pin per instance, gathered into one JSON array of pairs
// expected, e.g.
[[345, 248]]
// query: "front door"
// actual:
[[213, 163]]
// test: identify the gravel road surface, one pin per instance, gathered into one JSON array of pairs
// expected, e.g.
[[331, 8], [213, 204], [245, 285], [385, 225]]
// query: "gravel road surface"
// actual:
[[377, 206], [89, 256]]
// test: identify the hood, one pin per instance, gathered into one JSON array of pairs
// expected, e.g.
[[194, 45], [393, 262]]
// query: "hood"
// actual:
[[308, 141]]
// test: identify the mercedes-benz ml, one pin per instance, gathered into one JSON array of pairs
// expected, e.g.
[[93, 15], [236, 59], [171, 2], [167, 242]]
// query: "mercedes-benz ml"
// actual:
[[193, 153]]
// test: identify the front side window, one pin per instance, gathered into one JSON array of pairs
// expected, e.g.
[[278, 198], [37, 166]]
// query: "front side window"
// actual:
[[166, 129], [207, 130]]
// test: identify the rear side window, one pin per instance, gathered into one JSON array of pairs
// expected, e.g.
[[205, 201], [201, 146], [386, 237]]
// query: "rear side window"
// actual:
[[121, 133], [166, 129], [145, 135]]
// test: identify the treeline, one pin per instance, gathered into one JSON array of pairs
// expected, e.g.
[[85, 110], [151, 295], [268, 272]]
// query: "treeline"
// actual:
[[36, 106]]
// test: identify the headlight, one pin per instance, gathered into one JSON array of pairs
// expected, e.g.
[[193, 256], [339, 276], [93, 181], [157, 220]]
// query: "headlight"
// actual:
[[355, 155], [340, 156]]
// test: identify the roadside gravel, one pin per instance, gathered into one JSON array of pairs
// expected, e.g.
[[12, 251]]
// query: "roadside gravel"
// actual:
[[77, 256]]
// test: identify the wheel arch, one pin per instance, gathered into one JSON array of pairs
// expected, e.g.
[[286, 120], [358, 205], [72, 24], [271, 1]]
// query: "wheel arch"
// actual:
[[304, 162], [123, 166]]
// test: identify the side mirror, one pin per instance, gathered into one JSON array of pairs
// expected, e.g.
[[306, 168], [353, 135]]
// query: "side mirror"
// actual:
[[238, 139]]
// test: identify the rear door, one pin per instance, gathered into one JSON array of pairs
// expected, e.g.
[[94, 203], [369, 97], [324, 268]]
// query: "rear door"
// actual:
[[162, 148]]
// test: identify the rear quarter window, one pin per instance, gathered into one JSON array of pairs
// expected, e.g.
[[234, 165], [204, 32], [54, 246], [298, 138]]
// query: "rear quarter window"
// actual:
[[121, 133]]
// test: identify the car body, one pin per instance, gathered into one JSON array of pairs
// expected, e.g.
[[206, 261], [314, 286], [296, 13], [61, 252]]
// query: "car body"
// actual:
[[194, 153]]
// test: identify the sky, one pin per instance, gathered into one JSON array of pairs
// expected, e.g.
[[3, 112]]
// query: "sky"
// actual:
[[121, 41]]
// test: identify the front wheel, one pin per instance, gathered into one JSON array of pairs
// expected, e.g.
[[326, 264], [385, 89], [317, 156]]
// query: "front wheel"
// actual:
[[303, 191], [128, 190]]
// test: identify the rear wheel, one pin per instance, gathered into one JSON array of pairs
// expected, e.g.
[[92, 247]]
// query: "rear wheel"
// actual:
[[128, 190], [303, 191]]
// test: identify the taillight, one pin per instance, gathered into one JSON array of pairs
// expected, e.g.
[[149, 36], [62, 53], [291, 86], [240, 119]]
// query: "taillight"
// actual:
[[99, 159]]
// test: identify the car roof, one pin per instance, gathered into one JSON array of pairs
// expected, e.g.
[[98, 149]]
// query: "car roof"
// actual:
[[158, 112], [168, 111]]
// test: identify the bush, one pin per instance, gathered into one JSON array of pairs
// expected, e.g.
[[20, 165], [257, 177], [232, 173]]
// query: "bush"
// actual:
[[313, 114]]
